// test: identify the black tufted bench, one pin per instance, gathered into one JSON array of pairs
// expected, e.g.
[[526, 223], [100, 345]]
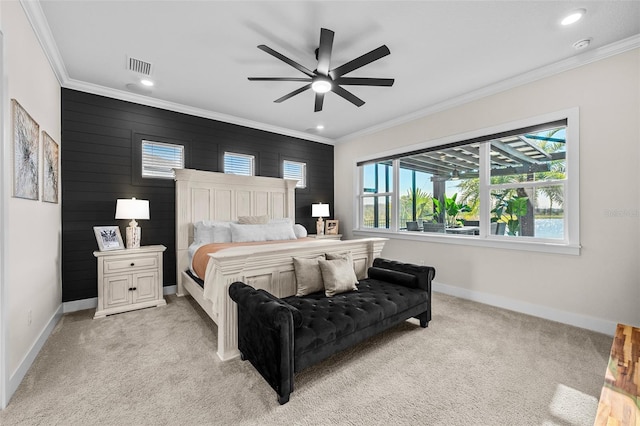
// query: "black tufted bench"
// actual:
[[281, 337]]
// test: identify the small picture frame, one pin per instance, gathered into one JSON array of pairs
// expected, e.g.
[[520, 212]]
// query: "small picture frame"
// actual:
[[331, 227], [108, 238]]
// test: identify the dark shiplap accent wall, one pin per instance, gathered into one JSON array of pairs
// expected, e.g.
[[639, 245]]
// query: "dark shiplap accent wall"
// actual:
[[99, 166]]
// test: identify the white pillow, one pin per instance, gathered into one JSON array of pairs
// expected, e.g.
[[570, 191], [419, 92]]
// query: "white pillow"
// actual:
[[207, 232], [299, 230], [267, 232]]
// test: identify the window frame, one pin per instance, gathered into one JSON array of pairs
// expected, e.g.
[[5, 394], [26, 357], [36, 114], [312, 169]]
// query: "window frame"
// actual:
[[239, 155], [304, 172], [157, 143], [136, 158], [569, 245]]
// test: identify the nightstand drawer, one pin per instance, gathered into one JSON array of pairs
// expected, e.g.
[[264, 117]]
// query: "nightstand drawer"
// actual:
[[131, 263]]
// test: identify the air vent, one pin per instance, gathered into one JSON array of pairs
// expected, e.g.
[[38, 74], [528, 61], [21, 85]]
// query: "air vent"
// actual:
[[139, 66]]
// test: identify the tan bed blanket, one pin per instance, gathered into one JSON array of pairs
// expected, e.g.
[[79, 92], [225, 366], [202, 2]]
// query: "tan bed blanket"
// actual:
[[201, 256]]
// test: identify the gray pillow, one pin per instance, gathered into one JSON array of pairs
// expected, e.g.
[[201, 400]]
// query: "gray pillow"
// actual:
[[267, 232], [308, 275], [338, 276], [253, 220]]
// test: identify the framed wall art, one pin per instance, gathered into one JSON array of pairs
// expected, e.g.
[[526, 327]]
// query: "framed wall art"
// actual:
[[26, 147], [108, 238], [49, 169], [331, 227]]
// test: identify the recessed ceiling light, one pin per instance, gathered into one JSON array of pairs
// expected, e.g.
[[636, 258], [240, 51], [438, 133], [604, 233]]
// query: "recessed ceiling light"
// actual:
[[320, 127], [146, 82], [573, 17]]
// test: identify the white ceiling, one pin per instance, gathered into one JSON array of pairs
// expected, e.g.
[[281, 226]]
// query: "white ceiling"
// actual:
[[203, 51]]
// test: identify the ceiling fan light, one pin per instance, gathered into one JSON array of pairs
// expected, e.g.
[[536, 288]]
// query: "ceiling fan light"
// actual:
[[321, 86]]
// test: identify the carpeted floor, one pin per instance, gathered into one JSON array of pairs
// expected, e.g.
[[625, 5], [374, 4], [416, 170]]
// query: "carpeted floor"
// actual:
[[474, 365]]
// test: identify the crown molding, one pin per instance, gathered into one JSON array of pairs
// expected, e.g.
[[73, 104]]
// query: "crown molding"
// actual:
[[585, 58], [39, 23], [185, 109]]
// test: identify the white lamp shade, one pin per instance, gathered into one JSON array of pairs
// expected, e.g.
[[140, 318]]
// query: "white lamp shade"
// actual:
[[132, 209], [319, 210]]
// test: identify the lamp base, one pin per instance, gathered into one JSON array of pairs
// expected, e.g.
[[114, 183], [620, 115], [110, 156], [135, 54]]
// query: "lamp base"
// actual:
[[133, 237], [320, 226]]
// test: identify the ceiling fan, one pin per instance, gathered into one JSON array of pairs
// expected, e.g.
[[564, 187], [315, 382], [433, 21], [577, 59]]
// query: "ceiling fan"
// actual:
[[324, 79]]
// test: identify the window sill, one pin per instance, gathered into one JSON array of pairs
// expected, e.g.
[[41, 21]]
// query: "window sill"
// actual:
[[474, 240]]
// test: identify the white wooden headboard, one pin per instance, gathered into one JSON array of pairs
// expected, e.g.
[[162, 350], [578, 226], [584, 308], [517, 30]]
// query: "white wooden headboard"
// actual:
[[204, 195]]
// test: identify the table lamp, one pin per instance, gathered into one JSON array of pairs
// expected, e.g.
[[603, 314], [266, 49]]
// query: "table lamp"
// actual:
[[320, 210], [132, 209]]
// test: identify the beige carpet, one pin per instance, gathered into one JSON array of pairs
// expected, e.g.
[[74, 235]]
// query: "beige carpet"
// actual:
[[474, 365]]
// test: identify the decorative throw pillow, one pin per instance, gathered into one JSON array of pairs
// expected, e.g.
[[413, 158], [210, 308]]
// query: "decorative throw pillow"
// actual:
[[253, 220], [308, 275], [267, 232], [208, 231], [338, 276], [299, 230]]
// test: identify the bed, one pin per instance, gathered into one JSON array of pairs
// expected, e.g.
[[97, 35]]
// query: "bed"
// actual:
[[215, 196]]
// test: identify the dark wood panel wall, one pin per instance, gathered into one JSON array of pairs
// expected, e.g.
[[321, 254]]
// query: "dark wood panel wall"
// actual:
[[100, 138]]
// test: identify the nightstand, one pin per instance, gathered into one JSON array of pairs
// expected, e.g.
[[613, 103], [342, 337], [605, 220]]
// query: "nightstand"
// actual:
[[129, 279], [326, 236]]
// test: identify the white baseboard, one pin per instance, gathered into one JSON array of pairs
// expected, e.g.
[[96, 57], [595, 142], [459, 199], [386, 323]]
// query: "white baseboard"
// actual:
[[23, 368], [577, 320], [80, 305]]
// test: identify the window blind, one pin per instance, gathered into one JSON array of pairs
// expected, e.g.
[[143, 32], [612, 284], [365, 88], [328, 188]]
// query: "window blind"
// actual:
[[295, 170], [239, 164], [159, 159]]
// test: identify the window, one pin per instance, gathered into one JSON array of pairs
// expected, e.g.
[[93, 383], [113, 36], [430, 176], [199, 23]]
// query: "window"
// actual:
[[239, 164], [512, 186], [295, 170], [159, 159]]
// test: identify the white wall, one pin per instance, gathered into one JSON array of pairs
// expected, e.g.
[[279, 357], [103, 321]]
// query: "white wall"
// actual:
[[32, 282], [594, 290]]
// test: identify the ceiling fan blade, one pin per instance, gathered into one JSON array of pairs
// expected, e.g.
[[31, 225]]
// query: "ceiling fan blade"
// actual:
[[278, 79], [286, 60], [324, 51], [319, 101], [364, 81], [292, 94], [360, 61], [347, 95]]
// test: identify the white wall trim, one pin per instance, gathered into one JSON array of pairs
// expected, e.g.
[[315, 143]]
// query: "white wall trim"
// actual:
[[27, 361], [92, 303], [36, 17], [4, 222], [79, 305], [588, 57], [570, 318]]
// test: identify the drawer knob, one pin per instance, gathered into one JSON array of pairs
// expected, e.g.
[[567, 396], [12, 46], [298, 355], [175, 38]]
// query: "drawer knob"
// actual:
[[133, 264]]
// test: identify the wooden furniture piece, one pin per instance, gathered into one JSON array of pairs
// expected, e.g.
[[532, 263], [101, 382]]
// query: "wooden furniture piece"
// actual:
[[620, 397], [129, 279], [326, 236], [224, 197]]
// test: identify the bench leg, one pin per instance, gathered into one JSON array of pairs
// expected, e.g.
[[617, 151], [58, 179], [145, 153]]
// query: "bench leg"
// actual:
[[283, 399], [424, 319]]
